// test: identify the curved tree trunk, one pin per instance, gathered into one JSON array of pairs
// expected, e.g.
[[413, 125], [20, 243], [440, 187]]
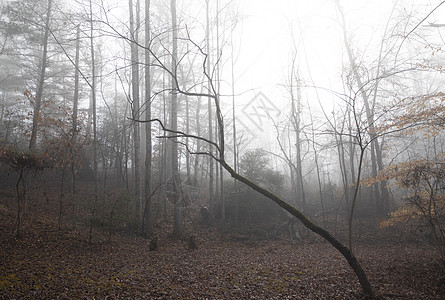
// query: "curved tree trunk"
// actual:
[[352, 260]]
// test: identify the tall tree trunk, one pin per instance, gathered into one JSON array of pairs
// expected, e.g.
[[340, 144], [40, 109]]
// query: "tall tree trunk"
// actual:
[[75, 107], [292, 168], [317, 165], [381, 200], [187, 142], [165, 167], [76, 84], [189, 74], [148, 150], [383, 206], [41, 81], [354, 199], [351, 143], [134, 31], [117, 135], [210, 122], [198, 143], [235, 161], [177, 228], [93, 97], [343, 169], [217, 194], [296, 120], [218, 88]]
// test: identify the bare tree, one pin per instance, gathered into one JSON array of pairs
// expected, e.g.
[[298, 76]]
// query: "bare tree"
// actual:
[[134, 32], [234, 136], [220, 158], [177, 230], [296, 124], [210, 121], [219, 152], [41, 80], [75, 102], [93, 97], [382, 197], [148, 141]]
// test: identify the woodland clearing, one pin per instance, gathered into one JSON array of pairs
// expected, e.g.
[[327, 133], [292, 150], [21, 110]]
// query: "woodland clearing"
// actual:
[[53, 263]]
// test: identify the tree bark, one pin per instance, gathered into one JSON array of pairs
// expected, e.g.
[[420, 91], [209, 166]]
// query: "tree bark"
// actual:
[[198, 143], [177, 230], [347, 254], [210, 122], [75, 106], [317, 166], [93, 98], [218, 82], [134, 31], [296, 117], [41, 82], [148, 141], [76, 84], [235, 160], [381, 199]]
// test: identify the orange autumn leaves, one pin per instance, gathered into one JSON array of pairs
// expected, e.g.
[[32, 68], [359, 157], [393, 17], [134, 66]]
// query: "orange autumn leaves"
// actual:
[[423, 183], [421, 180], [411, 115]]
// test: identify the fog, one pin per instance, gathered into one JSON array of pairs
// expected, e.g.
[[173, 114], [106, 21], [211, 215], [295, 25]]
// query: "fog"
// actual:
[[308, 120]]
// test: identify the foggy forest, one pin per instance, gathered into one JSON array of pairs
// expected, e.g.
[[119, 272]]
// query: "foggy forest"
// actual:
[[222, 149]]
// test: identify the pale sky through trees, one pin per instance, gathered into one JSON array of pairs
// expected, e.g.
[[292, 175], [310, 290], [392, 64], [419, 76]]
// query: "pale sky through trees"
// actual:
[[271, 31], [267, 31], [251, 132], [266, 43]]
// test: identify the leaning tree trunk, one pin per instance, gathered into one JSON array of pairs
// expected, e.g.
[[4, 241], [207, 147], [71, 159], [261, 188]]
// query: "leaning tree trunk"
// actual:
[[344, 250], [351, 259]]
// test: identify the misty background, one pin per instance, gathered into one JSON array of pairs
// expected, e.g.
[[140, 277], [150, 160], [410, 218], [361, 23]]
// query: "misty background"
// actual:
[[134, 105]]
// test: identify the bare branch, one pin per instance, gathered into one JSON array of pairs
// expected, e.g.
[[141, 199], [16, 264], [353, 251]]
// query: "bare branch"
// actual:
[[179, 133]]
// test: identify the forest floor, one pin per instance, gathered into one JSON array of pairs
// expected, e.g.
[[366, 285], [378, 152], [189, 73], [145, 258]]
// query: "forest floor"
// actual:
[[53, 263]]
